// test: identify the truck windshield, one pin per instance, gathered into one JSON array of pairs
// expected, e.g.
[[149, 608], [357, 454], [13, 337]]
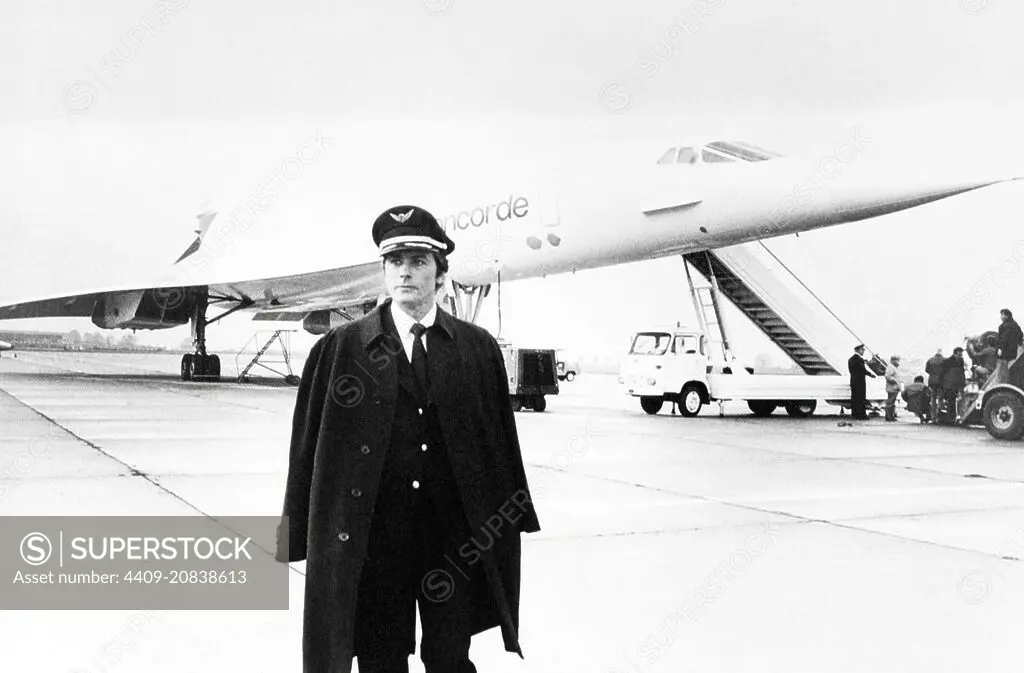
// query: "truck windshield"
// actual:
[[650, 343]]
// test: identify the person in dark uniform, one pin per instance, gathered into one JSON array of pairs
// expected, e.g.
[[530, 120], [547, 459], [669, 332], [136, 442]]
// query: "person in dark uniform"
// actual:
[[406, 484], [1009, 342], [954, 379], [933, 368], [858, 383]]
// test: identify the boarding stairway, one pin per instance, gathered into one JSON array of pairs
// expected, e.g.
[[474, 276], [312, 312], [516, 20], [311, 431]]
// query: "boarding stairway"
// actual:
[[777, 302]]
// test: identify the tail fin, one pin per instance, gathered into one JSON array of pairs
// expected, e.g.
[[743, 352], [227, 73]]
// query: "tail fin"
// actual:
[[205, 220]]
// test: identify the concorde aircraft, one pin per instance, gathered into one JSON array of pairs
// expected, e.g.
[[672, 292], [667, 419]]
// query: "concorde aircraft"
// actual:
[[4, 346], [693, 198]]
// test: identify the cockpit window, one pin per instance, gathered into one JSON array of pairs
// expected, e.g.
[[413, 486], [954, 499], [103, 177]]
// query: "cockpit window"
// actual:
[[686, 156], [712, 157], [650, 343], [743, 151], [669, 157], [720, 151]]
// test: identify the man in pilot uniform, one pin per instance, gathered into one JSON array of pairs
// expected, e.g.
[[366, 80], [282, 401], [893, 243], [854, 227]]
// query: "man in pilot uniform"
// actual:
[[858, 383], [406, 484]]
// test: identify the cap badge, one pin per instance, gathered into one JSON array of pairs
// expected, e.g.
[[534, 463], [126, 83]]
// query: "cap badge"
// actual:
[[401, 217]]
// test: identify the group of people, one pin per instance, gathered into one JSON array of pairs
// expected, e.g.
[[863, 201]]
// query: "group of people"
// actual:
[[935, 400]]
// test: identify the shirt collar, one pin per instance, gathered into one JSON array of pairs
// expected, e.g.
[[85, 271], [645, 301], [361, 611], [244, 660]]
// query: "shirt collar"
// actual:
[[404, 322]]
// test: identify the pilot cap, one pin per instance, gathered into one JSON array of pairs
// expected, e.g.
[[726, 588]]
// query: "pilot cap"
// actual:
[[410, 227]]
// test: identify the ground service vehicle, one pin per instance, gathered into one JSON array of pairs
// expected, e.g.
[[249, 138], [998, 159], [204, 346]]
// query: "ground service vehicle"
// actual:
[[531, 376], [567, 368], [672, 365], [999, 403]]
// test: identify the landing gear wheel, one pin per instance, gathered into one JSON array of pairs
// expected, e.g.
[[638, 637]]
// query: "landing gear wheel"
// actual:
[[1004, 416], [762, 408], [292, 380], [517, 404], [569, 376], [214, 368], [200, 365], [801, 408], [651, 405], [690, 401], [539, 403], [186, 367]]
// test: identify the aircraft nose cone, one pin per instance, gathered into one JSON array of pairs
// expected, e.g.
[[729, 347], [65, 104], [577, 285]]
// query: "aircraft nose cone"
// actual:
[[869, 189]]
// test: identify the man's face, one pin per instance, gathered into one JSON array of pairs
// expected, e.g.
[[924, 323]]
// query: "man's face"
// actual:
[[859, 351], [1003, 317], [411, 278]]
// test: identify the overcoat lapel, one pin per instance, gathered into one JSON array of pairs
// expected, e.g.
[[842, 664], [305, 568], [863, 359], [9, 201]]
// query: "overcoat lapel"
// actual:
[[444, 365], [382, 347]]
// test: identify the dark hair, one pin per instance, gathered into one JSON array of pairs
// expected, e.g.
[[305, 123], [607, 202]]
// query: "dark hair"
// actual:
[[442, 262], [918, 379]]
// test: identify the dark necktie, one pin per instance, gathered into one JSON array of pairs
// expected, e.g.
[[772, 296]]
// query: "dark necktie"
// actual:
[[419, 361]]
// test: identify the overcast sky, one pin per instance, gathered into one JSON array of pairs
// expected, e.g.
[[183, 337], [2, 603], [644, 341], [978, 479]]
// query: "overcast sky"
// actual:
[[123, 119]]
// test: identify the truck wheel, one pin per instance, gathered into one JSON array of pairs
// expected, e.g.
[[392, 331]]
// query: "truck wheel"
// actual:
[[1004, 416], [762, 408], [801, 408], [569, 376], [690, 401], [651, 405], [539, 403]]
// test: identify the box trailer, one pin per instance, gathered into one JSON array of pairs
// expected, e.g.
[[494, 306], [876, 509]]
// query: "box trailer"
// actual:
[[532, 374]]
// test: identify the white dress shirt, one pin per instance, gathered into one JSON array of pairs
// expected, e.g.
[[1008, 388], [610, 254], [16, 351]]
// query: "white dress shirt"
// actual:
[[404, 323]]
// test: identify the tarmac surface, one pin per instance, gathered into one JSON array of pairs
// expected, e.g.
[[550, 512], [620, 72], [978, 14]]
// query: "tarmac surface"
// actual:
[[668, 544]]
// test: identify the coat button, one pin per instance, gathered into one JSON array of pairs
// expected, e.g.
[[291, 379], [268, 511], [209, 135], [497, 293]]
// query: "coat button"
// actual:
[[343, 537], [364, 449], [424, 447], [415, 484], [356, 492], [421, 411]]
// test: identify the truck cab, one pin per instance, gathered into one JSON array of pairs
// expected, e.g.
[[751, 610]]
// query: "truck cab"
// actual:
[[667, 364]]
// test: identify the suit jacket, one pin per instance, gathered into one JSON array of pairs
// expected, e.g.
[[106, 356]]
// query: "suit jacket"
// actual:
[[953, 375], [858, 369], [341, 431], [934, 368]]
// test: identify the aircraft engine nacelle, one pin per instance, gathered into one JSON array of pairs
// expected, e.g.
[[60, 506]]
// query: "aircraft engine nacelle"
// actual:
[[142, 309], [321, 322]]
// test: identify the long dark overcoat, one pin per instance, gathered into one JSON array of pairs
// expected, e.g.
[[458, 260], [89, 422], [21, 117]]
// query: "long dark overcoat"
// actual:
[[340, 438]]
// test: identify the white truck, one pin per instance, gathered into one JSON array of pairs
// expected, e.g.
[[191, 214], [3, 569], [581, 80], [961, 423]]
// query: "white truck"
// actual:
[[673, 365]]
